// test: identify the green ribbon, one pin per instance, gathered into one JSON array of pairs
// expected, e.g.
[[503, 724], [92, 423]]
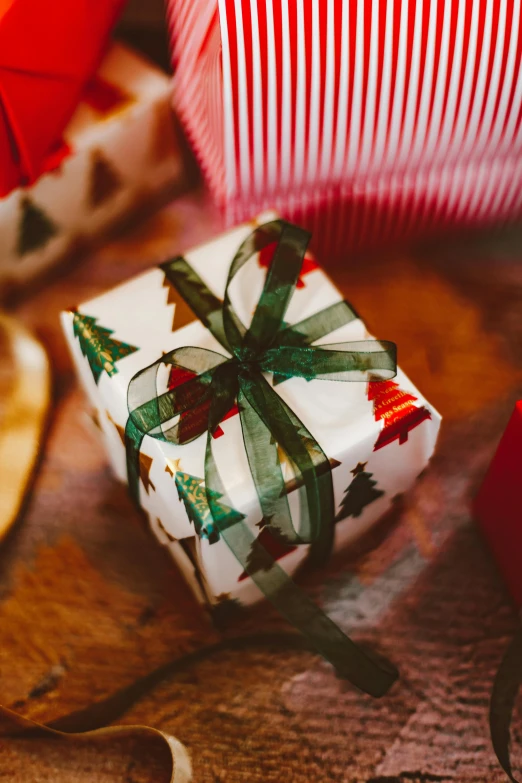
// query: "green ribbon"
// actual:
[[506, 687], [217, 382]]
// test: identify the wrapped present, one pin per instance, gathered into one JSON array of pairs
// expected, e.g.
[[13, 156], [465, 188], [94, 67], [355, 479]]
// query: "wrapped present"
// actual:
[[242, 507], [117, 152], [48, 53], [378, 120], [498, 506]]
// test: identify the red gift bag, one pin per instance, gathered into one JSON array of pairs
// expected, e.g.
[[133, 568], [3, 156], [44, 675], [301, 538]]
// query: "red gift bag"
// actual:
[[498, 506]]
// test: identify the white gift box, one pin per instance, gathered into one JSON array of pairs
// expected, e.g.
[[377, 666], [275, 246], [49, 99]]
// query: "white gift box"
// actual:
[[119, 150], [378, 436]]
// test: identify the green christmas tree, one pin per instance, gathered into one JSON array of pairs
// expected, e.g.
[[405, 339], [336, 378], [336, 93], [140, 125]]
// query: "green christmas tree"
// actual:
[[359, 494], [35, 230], [194, 499], [101, 350]]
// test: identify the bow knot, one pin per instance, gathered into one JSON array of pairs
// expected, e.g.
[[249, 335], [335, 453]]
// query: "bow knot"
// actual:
[[216, 382], [247, 357]]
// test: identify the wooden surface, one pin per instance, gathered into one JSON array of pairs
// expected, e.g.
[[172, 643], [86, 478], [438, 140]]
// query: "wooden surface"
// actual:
[[24, 402], [89, 603]]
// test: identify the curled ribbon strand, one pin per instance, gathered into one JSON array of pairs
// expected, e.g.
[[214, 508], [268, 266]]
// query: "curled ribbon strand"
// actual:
[[220, 381], [13, 725], [506, 687]]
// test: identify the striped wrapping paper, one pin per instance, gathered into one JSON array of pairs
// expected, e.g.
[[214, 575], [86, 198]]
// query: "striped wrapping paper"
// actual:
[[366, 120]]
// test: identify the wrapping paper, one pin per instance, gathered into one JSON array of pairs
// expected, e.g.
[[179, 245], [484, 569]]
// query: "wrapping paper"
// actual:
[[498, 506], [118, 150], [379, 120], [48, 52], [378, 437]]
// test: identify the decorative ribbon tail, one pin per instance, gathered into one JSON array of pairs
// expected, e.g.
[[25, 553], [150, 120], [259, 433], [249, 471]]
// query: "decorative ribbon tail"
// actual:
[[349, 660], [13, 725], [321, 632], [505, 691]]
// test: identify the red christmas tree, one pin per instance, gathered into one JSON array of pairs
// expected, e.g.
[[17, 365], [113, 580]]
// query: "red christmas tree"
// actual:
[[398, 411], [194, 422], [267, 253]]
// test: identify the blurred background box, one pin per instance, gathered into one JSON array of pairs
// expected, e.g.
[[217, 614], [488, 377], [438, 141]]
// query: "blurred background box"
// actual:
[[380, 121], [118, 154]]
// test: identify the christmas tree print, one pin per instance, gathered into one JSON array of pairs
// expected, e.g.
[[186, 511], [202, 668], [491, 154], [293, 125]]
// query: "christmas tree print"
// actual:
[[178, 269], [266, 255], [145, 460], [295, 483], [165, 531], [119, 429], [194, 497], [145, 466], [101, 350], [359, 494], [398, 411], [35, 229], [272, 544], [183, 314], [105, 180], [195, 421], [95, 418]]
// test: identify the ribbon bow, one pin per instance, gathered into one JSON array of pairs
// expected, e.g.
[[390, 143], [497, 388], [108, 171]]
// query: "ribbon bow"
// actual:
[[217, 382]]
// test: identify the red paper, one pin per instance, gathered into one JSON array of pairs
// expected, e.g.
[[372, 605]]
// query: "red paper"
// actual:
[[48, 52], [498, 506]]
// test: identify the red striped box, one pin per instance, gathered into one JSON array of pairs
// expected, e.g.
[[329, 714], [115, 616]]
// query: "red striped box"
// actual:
[[365, 120]]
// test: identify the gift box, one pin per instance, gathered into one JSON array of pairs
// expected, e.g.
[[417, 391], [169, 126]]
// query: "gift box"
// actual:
[[379, 120], [498, 506], [117, 152], [373, 438], [48, 53]]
